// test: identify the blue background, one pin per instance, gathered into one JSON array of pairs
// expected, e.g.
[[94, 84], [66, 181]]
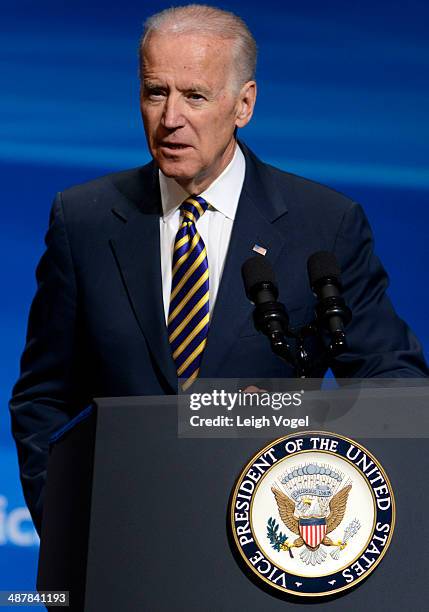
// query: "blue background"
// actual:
[[343, 99]]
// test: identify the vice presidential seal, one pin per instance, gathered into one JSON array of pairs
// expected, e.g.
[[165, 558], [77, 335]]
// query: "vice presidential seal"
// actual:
[[312, 514]]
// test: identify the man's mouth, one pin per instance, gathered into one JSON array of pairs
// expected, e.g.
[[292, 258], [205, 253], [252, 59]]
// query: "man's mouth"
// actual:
[[173, 146]]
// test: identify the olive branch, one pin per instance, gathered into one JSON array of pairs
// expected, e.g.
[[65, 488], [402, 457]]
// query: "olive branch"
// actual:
[[277, 538]]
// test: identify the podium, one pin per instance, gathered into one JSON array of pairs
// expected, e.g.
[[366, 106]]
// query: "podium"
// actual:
[[136, 519]]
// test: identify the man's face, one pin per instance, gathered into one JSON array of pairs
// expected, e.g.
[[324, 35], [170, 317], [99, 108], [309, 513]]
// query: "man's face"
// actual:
[[189, 106]]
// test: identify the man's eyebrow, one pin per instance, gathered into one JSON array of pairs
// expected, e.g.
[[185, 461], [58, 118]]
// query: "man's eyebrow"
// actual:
[[192, 88], [151, 84], [196, 88]]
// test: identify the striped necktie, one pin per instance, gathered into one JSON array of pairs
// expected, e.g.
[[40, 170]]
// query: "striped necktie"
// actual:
[[188, 316]]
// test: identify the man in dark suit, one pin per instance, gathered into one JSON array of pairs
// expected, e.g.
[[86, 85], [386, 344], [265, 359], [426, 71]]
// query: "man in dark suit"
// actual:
[[120, 248]]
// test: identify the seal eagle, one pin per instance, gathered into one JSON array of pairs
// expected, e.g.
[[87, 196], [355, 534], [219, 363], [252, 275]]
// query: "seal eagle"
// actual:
[[299, 524]]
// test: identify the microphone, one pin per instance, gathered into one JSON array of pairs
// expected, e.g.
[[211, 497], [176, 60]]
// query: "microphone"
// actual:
[[270, 316], [331, 311]]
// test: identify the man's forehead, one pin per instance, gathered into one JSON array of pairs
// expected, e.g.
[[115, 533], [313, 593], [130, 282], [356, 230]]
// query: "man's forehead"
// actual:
[[188, 61]]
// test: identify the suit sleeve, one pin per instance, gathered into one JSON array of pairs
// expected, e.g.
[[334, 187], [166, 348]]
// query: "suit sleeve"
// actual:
[[45, 396], [380, 343]]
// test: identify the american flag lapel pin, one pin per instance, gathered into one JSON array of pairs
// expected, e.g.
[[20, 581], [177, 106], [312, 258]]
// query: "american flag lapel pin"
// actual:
[[259, 249]]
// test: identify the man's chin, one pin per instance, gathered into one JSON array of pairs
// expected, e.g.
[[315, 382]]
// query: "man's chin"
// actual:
[[177, 170]]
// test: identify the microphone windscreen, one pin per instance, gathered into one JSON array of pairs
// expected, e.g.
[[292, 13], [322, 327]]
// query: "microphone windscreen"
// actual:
[[257, 270], [321, 265]]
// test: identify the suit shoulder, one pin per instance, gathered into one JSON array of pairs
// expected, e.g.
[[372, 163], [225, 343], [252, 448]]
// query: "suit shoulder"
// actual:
[[310, 194], [105, 191]]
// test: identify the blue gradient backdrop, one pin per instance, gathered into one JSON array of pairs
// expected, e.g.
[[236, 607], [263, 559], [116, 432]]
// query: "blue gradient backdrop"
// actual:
[[343, 99]]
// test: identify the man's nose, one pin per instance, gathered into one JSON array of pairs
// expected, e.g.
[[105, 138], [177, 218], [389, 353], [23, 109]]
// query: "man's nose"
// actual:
[[172, 117]]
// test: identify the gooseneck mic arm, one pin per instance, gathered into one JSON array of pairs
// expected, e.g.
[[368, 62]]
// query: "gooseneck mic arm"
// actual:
[[270, 316], [332, 314]]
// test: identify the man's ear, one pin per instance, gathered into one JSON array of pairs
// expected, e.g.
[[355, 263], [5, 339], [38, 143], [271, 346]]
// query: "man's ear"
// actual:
[[245, 104]]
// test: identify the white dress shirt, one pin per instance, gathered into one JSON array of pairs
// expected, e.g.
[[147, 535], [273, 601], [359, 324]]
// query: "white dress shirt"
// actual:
[[214, 226]]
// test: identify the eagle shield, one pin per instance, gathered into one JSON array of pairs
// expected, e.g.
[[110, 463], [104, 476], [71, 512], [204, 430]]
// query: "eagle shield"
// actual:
[[312, 530]]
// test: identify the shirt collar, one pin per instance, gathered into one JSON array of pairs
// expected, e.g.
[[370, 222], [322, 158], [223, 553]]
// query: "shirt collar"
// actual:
[[223, 194]]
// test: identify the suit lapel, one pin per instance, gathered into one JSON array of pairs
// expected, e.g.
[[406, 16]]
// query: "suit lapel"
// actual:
[[136, 246], [260, 205]]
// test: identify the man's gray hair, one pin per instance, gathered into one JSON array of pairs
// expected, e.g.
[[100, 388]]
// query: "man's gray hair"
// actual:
[[207, 20]]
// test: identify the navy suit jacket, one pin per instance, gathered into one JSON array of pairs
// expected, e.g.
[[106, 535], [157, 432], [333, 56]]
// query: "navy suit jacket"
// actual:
[[97, 325]]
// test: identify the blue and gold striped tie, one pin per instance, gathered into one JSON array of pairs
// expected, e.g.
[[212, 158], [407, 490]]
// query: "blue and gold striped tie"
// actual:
[[188, 316]]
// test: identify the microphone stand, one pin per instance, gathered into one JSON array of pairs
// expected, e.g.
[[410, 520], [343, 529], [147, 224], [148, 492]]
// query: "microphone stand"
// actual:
[[303, 363], [271, 318]]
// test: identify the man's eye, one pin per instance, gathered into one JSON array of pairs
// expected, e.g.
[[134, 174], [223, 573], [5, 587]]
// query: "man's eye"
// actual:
[[154, 93], [195, 96]]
